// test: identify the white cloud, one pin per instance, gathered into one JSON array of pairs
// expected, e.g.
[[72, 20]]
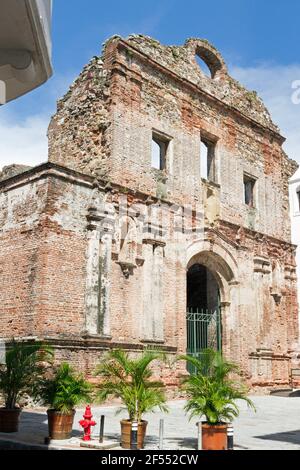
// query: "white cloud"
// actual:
[[23, 142], [274, 85]]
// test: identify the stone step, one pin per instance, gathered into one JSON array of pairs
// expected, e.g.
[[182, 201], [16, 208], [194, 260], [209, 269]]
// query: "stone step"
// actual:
[[106, 445]]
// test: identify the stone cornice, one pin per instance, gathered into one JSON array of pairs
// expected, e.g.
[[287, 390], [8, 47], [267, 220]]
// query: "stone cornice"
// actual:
[[49, 169], [46, 170], [253, 234], [102, 343]]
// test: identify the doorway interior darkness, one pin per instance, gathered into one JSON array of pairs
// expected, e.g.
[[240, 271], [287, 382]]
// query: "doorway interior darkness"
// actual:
[[202, 289]]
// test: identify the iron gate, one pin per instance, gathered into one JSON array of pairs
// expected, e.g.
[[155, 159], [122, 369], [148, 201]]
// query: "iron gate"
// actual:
[[203, 332]]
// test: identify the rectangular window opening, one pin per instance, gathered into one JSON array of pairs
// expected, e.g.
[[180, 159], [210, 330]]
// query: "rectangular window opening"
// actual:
[[208, 161], [159, 152], [249, 185]]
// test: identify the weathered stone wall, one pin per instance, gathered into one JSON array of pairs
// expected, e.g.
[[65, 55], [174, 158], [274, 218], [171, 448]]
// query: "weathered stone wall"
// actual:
[[143, 86], [42, 256], [79, 135], [21, 210], [13, 170], [47, 269], [104, 245]]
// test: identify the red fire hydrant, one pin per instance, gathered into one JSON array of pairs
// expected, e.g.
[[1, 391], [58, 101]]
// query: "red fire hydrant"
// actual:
[[87, 423]]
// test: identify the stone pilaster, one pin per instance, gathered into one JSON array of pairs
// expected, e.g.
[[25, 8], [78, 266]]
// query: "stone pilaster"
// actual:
[[99, 255]]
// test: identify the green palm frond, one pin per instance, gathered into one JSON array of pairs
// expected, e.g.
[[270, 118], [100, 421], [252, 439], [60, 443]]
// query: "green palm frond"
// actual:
[[65, 390], [22, 373], [130, 379], [210, 390]]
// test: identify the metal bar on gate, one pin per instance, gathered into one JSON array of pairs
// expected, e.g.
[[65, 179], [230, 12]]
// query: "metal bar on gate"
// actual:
[[195, 338], [203, 331]]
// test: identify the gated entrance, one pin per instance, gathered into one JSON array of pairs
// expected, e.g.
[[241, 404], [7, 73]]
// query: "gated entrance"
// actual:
[[203, 312]]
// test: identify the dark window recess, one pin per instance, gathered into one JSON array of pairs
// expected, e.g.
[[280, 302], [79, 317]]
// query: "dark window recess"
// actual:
[[159, 153], [249, 184], [208, 161], [298, 198]]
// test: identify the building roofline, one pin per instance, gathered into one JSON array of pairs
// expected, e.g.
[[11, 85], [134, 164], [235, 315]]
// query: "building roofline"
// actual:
[[44, 169], [194, 86]]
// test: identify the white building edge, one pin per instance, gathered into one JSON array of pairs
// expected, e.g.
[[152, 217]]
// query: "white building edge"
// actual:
[[25, 46], [294, 191]]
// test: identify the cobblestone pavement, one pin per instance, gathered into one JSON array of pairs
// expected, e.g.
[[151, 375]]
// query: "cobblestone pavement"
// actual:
[[275, 425]]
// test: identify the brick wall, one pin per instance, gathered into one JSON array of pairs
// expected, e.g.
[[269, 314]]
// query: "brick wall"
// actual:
[[71, 276]]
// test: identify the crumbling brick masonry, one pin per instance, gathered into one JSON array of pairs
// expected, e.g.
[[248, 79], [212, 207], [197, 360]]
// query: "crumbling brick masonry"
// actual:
[[161, 218]]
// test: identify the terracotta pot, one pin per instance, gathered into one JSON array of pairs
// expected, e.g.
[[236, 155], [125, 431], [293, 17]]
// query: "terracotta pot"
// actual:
[[60, 425], [9, 420], [126, 433], [214, 437]]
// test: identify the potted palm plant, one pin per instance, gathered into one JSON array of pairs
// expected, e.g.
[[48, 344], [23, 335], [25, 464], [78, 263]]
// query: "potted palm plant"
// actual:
[[62, 392], [213, 393], [25, 365], [131, 381]]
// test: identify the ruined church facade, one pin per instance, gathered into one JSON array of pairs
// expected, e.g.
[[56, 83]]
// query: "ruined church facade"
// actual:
[[160, 220]]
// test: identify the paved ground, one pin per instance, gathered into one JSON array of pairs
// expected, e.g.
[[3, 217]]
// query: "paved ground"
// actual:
[[275, 425]]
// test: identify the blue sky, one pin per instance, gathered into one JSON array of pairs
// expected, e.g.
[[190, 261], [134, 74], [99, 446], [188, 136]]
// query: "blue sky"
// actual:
[[259, 41]]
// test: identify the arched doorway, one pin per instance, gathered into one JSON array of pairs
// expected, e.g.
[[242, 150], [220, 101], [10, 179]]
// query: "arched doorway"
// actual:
[[203, 311]]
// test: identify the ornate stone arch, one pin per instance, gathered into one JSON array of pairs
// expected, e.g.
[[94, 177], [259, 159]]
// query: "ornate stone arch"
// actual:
[[219, 261], [210, 55]]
